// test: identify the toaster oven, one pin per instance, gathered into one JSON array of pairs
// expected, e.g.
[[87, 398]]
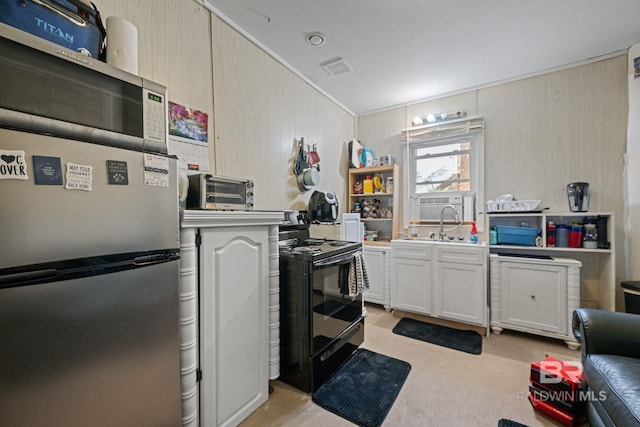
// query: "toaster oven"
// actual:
[[217, 192]]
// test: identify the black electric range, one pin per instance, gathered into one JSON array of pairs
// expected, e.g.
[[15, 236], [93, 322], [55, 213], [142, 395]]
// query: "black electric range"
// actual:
[[320, 324]]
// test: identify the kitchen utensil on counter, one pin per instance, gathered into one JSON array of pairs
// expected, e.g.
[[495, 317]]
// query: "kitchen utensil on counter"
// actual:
[[578, 193]]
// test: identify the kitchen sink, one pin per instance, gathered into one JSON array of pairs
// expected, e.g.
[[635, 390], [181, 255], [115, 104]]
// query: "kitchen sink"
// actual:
[[444, 242]]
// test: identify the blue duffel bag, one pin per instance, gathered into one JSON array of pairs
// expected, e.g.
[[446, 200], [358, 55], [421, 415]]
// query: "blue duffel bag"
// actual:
[[74, 24]]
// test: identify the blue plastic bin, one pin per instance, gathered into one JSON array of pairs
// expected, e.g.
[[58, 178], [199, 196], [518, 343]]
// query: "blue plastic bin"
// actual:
[[508, 235]]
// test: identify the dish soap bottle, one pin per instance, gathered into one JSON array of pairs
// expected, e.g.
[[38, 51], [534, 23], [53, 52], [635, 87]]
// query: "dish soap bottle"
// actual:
[[473, 237], [413, 230]]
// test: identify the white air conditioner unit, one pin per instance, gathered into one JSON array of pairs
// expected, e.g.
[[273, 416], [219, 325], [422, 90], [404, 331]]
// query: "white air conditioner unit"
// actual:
[[430, 206]]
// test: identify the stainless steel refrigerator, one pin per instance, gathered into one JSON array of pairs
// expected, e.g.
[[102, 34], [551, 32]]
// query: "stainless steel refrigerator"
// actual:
[[89, 264]]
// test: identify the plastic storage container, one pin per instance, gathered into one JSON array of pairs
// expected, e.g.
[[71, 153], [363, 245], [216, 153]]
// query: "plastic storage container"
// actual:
[[575, 236], [590, 237], [562, 236], [508, 235]]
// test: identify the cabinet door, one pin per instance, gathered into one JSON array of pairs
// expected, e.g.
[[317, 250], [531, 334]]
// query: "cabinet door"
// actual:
[[534, 296], [234, 323], [461, 293], [375, 262], [412, 285]]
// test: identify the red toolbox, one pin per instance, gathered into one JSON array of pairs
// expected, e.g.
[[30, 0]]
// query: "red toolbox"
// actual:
[[554, 390]]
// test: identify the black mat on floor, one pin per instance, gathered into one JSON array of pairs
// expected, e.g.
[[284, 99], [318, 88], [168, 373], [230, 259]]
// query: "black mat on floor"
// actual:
[[364, 388], [509, 423], [467, 341]]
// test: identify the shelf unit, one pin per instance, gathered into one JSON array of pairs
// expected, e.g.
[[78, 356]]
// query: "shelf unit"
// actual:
[[597, 275], [387, 228]]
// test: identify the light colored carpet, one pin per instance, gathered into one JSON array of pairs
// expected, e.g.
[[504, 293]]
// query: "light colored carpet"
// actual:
[[445, 387]]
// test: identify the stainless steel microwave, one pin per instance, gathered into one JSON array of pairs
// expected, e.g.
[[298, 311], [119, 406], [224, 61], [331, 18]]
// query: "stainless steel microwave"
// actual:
[[217, 192], [47, 88]]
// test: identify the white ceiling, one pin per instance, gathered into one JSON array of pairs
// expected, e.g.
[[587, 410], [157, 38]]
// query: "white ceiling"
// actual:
[[403, 51]]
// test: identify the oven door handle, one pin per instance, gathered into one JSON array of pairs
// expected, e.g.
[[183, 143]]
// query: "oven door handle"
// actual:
[[334, 260]]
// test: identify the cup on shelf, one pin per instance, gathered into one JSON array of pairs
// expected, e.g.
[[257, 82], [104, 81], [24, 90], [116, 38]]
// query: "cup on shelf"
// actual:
[[575, 236], [562, 236]]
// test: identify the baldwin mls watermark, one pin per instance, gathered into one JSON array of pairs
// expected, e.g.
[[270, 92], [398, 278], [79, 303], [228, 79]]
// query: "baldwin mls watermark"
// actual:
[[569, 373]]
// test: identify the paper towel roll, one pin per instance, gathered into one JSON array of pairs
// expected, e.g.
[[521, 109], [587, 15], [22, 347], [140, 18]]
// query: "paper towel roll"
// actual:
[[122, 44]]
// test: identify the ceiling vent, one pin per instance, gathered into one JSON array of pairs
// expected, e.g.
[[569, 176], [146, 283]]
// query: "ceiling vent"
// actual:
[[336, 66]]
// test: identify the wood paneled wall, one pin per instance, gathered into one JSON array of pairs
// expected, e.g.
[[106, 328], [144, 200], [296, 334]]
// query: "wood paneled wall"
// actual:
[[260, 108], [256, 105], [174, 48]]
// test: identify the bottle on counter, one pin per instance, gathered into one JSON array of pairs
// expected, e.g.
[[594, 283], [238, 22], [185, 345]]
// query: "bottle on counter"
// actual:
[[413, 230], [473, 236], [367, 185], [389, 184], [551, 234], [493, 236]]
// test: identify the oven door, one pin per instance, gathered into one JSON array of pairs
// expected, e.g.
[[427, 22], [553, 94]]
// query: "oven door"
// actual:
[[333, 309]]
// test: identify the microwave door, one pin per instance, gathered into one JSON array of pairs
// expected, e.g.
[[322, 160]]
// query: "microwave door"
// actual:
[[45, 92]]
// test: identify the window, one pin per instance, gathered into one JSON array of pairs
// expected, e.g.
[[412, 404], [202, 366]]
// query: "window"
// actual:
[[444, 166]]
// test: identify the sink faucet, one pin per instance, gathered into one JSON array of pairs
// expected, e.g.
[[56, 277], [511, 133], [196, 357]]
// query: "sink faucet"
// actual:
[[442, 234]]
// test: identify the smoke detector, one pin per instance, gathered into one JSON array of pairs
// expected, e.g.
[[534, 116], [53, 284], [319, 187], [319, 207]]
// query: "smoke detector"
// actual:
[[336, 66], [315, 39]]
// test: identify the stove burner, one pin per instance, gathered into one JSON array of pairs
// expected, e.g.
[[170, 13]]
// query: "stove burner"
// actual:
[[306, 249], [338, 243], [288, 243], [315, 241]]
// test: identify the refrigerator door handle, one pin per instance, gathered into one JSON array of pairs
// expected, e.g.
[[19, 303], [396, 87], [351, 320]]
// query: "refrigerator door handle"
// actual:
[[7, 279], [154, 259]]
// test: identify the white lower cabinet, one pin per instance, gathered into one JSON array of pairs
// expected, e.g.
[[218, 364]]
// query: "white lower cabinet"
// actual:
[[237, 274], [411, 277], [535, 295], [461, 277], [235, 318], [444, 280], [377, 263]]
